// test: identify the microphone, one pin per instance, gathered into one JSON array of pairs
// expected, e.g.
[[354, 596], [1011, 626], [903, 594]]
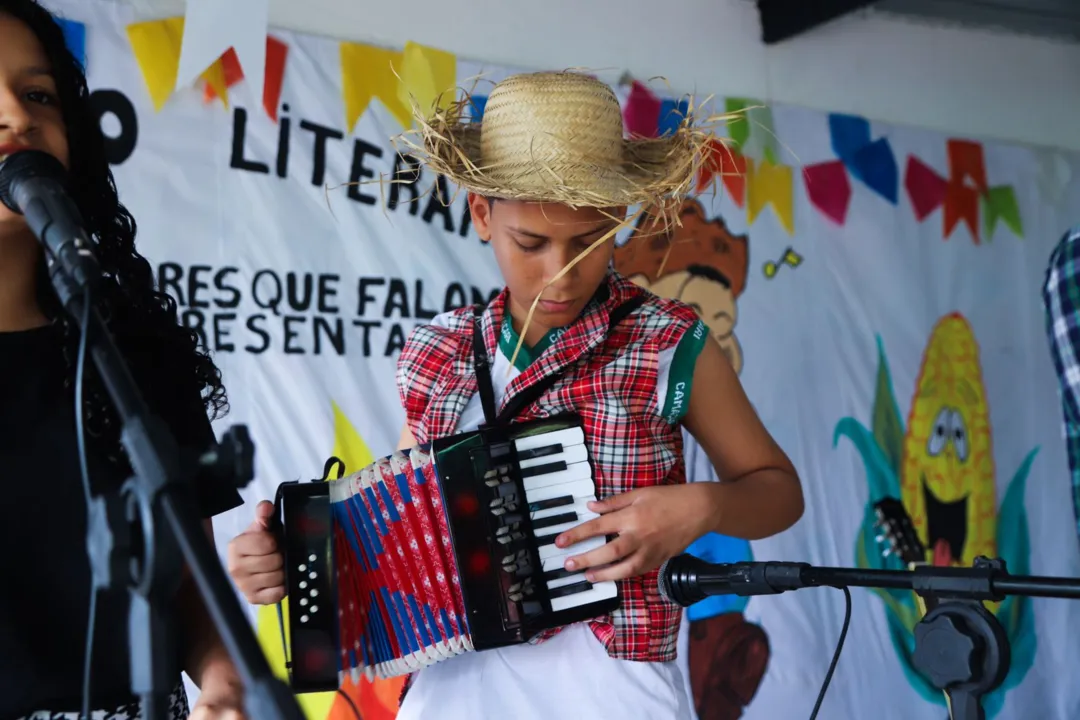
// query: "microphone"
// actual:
[[685, 579], [32, 183]]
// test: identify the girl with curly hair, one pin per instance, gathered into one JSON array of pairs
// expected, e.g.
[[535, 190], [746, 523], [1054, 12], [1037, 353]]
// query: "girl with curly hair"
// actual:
[[46, 607]]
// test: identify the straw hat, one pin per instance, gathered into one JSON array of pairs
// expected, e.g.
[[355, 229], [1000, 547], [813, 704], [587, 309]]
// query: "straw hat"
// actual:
[[558, 137]]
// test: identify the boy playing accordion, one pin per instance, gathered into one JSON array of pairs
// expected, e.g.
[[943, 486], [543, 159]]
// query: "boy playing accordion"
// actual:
[[550, 178]]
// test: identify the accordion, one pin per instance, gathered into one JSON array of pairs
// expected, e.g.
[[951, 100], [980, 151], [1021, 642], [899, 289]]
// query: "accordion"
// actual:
[[439, 550]]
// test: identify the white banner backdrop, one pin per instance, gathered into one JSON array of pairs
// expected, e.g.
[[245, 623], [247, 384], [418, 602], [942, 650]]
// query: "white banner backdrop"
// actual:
[[852, 337]]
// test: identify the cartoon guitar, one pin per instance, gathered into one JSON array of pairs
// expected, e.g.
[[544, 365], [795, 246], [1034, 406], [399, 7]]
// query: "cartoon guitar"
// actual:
[[902, 540]]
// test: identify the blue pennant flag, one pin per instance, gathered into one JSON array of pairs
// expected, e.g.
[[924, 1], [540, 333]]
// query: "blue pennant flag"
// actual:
[[672, 114], [75, 36], [871, 162], [477, 103], [875, 166]]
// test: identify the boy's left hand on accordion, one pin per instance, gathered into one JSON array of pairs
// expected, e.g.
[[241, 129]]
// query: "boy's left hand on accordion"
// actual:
[[652, 525]]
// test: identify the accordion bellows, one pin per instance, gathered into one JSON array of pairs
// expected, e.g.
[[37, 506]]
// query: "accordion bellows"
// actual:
[[408, 579]]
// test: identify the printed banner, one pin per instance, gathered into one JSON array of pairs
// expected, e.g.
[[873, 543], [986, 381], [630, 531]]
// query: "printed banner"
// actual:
[[876, 287]]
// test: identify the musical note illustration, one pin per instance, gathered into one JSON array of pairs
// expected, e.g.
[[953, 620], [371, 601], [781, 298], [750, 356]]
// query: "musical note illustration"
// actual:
[[790, 258]]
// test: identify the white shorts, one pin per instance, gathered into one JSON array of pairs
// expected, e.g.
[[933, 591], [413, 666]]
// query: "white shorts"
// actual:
[[569, 676]]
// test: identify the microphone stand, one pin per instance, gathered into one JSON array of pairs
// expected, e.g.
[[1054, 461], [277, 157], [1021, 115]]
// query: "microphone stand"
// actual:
[[960, 646], [138, 537]]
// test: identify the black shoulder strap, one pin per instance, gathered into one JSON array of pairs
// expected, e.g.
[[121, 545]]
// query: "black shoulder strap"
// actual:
[[483, 368], [534, 392]]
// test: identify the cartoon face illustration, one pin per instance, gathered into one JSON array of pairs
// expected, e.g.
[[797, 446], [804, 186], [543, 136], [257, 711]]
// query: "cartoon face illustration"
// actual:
[[947, 480], [699, 263]]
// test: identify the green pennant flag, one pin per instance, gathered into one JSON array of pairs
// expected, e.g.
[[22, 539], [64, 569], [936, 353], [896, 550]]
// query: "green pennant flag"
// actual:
[[752, 129], [999, 203]]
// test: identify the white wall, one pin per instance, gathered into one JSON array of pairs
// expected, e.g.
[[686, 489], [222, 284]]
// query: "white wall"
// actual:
[[959, 81]]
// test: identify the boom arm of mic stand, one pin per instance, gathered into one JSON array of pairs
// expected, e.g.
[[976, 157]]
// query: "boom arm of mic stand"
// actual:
[[156, 491], [960, 646]]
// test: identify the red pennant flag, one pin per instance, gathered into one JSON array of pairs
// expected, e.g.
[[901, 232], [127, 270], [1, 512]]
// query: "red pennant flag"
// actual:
[[966, 162], [829, 189], [924, 186], [729, 165], [276, 53], [962, 203]]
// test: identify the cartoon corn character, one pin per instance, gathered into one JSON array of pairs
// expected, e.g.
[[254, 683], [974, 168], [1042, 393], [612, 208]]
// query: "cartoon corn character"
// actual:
[[947, 481]]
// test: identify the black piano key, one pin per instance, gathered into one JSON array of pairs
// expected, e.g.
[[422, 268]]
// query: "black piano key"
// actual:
[[543, 469], [552, 503], [554, 520], [559, 573], [569, 589], [540, 452], [542, 540]]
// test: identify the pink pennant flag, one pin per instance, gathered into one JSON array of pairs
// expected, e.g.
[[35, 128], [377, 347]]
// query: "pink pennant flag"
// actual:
[[642, 112], [829, 189], [924, 186]]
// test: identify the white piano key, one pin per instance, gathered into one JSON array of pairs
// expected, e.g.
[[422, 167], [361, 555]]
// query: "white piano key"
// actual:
[[578, 488], [548, 551], [569, 455], [580, 506], [577, 471], [567, 437], [599, 591]]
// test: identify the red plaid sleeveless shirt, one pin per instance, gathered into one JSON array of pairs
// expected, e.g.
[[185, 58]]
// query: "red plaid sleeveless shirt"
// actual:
[[610, 380]]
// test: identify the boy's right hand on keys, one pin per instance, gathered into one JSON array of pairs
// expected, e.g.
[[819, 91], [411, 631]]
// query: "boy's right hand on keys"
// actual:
[[255, 563]]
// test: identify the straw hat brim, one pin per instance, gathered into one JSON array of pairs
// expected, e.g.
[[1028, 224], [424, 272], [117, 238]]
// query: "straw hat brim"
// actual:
[[650, 168]]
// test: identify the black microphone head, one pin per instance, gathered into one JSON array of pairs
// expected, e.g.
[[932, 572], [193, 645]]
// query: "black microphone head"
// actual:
[[678, 579], [26, 165]]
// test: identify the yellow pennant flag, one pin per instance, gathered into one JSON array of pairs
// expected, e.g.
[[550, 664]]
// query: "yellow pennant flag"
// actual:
[[769, 184], [215, 78], [156, 45], [366, 73], [427, 75], [348, 445]]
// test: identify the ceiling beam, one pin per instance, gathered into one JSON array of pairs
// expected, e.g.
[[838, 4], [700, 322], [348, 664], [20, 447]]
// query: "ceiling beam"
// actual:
[[784, 19]]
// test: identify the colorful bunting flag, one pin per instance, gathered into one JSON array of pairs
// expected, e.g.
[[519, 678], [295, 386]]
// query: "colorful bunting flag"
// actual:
[[672, 114], [427, 75], [276, 54], [75, 38], [829, 189], [925, 188], [156, 45], [752, 129], [367, 72], [999, 203], [963, 193], [477, 103], [419, 73], [641, 114], [871, 162], [211, 28], [961, 203], [966, 163], [729, 165], [769, 184]]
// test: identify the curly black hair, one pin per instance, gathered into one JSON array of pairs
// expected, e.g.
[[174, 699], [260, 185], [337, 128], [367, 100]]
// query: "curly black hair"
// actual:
[[164, 356]]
